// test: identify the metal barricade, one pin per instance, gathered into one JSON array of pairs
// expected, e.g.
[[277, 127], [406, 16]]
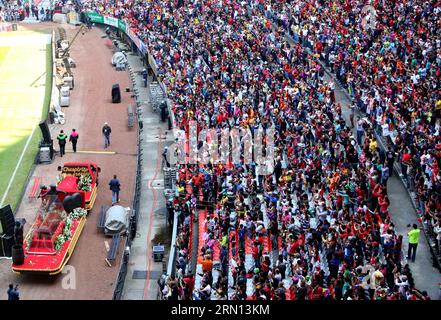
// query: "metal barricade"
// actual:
[[130, 116], [157, 95]]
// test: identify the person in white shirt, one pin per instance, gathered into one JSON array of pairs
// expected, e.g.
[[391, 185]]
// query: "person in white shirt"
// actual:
[[437, 231], [360, 130]]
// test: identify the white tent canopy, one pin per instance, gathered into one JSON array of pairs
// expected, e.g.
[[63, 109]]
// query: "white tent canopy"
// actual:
[[117, 220]]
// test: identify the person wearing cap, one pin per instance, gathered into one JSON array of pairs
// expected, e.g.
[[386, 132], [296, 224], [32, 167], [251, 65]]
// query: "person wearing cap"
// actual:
[[62, 142], [106, 134], [74, 139]]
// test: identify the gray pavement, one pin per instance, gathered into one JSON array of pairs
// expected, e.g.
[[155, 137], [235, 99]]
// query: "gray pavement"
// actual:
[[143, 272]]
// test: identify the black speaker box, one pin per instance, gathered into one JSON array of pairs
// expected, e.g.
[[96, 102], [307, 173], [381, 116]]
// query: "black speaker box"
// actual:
[[6, 243], [116, 94], [45, 131], [7, 220]]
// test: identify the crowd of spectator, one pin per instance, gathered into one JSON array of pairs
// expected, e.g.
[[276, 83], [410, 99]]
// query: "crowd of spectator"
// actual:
[[13, 11], [390, 65], [180, 285], [319, 227], [10, 12]]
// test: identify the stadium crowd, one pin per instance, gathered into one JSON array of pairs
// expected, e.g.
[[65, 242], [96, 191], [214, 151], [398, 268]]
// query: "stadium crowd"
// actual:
[[13, 11], [9, 11], [319, 227]]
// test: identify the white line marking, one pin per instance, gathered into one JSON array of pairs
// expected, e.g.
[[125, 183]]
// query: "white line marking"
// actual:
[[18, 164]]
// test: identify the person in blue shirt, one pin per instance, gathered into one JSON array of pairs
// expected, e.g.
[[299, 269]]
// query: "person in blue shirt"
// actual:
[[13, 292]]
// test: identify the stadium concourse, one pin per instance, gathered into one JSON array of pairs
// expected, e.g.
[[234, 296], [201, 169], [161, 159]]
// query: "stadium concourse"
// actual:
[[320, 227], [90, 107]]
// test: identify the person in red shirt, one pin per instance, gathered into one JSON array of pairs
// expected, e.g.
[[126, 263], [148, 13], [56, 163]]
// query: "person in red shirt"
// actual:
[[405, 162]]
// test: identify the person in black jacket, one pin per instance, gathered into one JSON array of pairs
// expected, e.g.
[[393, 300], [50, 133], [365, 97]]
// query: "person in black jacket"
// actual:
[[62, 142], [74, 139], [106, 134], [115, 187], [390, 158]]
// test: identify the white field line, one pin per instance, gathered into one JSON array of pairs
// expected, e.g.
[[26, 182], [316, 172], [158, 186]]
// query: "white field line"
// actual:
[[11, 180], [18, 164]]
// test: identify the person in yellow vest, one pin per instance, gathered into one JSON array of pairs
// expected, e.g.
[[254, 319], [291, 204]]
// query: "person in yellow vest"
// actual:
[[414, 236]]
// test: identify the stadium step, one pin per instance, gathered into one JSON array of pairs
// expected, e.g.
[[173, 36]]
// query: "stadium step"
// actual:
[[202, 218], [287, 285], [216, 252], [249, 262], [215, 274], [250, 287], [198, 279]]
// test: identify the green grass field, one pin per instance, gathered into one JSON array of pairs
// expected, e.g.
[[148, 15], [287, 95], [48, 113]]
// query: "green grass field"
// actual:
[[25, 91]]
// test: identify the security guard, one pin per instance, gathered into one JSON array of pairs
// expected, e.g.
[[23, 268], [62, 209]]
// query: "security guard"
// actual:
[[62, 142]]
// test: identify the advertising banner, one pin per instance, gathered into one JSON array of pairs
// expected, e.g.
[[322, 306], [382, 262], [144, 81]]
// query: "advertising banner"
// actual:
[[95, 17], [111, 21], [122, 25]]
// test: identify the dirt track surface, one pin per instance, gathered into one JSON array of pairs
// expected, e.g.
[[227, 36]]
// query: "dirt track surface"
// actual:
[[90, 107]]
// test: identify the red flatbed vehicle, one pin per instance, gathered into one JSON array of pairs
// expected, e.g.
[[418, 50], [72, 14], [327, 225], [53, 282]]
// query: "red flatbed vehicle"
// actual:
[[52, 238]]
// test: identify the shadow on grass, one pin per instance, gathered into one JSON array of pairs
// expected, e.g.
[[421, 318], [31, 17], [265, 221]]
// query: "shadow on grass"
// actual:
[[9, 158]]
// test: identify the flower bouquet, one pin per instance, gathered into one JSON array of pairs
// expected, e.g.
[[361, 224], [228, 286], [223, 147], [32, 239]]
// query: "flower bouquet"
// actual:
[[84, 183]]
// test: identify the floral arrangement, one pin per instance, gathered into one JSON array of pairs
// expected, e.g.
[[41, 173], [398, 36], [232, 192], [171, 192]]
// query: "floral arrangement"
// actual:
[[78, 213], [59, 241], [28, 242], [65, 235], [84, 183], [66, 229]]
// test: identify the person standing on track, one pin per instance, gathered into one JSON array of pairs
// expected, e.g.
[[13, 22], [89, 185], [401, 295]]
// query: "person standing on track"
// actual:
[[390, 157], [360, 131], [414, 236], [145, 77], [74, 139], [62, 142], [106, 134], [115, 187], [352, 114]]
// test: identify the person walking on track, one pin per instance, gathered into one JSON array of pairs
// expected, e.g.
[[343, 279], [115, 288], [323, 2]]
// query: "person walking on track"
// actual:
[[115, 187], [106, 134], [414, 236], [74, 139], [62, 142]]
